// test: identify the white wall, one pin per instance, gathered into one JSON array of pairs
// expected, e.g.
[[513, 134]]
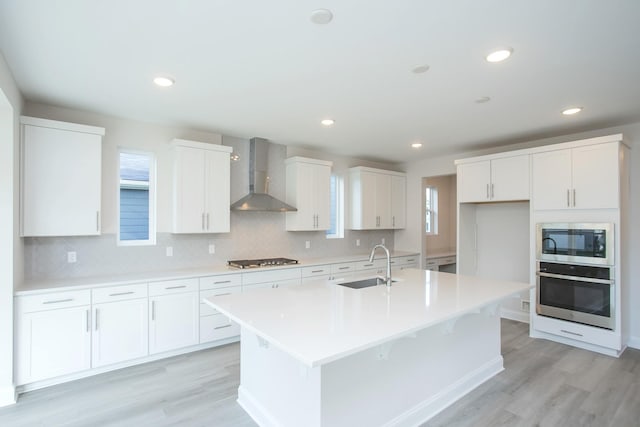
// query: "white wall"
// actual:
[[410, 238], [10, 243]]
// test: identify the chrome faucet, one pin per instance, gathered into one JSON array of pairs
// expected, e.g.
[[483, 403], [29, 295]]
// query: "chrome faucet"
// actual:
[[387, 279]]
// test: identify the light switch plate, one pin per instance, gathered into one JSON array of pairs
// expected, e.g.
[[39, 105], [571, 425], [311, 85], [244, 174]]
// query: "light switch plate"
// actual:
[[357, 242], [307, 244], [71, 257], [212, 248], [169, 250]]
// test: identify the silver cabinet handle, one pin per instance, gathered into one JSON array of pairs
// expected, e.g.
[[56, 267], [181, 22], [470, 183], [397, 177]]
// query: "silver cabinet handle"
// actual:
[[570, 333], [222, 281], [121, 293], [58, 301], [219, 295], [574, 197], [153, 310], [222, 327], [317, 271], [97, 317], [203, 220], [492, 192], [343, 268], [87, 314], [568, 201], [487, 191], [207, 220], [97, 220], [176, 287]]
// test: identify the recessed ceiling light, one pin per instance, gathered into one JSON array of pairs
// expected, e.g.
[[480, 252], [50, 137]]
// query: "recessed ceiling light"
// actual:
[[571, 111], [499, 55], [421, 69], [321, 16], [416, 145], [234, 157], [482, 100], [164, 81], [327, 122]]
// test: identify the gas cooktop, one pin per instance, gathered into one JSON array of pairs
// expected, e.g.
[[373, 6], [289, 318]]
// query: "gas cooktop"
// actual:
[[265, 262]]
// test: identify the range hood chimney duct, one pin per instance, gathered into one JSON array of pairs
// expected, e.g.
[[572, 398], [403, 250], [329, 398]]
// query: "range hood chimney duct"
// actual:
[[258, 198]]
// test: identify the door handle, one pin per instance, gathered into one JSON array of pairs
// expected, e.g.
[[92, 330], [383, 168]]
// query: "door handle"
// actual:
[[574, 197], [97, 220], [153, 310], [207, 220], [87, 314], [97, 317], [568, 201], [203, 220], [492, 192], [487, 191]]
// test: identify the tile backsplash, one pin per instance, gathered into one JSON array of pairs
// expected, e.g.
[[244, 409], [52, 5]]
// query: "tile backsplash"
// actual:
[[253, 235]]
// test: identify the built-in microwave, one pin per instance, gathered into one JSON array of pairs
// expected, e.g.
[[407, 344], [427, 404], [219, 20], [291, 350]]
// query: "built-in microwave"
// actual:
[[584, 243]]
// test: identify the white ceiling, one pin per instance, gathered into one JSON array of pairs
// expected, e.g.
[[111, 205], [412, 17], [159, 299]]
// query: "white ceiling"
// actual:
[[262, 68]]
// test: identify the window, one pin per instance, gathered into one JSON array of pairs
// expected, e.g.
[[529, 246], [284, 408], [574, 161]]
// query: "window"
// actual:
[[431, 210], [337, 208], [136, 198]]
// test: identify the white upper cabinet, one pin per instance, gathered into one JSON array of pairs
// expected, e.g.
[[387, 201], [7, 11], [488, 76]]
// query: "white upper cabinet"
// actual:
[[374, 193], [584, 177], [495, 180], [201, 187], [61, 178], [309, 190]]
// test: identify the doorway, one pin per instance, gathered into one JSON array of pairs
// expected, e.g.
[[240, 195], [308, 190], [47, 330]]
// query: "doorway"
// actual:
[[439, 222]]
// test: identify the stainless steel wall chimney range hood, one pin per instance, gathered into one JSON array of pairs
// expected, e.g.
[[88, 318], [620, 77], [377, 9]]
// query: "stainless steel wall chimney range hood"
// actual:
[[258, 198]]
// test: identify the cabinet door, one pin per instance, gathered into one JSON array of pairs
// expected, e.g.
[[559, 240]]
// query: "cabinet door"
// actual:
[[53, 343], [595, 177], [510, 178], [322, 196], [189, 208], [61, 182], [300, 194], [368, 200], [474, 182], [217, 192], [174, 321], [551, 174], [383, 200], [398, 201], [120, 331]]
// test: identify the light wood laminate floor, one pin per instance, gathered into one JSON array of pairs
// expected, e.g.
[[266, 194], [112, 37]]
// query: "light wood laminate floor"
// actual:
[[544, 384]]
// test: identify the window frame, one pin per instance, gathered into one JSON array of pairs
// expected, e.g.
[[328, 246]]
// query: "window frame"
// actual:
[[431, 210], [339, 203], [151, 241]]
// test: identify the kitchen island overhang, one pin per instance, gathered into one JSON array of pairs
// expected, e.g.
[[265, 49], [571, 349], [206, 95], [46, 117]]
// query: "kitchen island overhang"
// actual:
[[326, 355]]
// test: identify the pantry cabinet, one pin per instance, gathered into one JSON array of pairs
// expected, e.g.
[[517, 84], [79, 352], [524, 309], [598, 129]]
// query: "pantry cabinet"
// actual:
[[308, 188], [53, 335], [372, 197], [495, 180], [61, 178], [173, 315], [584, 177], [201, 187]]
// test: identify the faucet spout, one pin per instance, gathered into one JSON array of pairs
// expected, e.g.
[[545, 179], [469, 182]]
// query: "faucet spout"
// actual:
[[387, 279]]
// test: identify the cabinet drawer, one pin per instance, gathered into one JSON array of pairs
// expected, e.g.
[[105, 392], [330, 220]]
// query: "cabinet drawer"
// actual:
[[366, 265], [119, 293], [217, 327], [272, 285], [223, 281], [318, 270], [312, 279], [405, 260], [447, 260], [52, 301], [578, 332], [173, 287], [343, 268], [270, 276], [206, 309]]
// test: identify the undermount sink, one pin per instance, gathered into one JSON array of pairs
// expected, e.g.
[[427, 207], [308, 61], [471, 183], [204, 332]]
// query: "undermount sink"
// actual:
[[365, 283]]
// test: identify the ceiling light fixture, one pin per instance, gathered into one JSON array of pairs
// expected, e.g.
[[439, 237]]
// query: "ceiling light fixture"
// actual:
[[164, 81], [321, 16], [571, 111], [420, 69], [416, 145], [328, 122], [499, 55]]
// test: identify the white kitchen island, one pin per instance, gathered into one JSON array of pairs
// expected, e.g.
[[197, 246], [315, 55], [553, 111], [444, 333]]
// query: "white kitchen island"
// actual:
[[322, 354]]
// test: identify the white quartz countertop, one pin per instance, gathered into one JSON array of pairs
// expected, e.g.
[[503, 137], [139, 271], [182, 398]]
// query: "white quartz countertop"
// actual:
[[77, 283], [321, 322]]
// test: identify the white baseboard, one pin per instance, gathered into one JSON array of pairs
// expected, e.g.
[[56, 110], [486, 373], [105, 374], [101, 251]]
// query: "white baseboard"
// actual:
[[7, 395], [634, 342], [256, 411], [518, 316], [429, 408]]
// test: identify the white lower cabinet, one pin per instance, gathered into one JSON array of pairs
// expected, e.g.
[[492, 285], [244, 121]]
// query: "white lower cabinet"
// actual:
[[53, 335], [174, 318], [213, 324], [120, 324]]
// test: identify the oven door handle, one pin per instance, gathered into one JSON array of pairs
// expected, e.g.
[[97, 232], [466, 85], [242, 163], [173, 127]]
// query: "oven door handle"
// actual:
[[575, 278]]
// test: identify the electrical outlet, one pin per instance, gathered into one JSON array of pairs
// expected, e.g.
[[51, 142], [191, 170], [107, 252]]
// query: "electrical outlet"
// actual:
[[307, 244], [212, 248], [383, 240], [169, 250], [524, 305], [357, 242], [71, 257]]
